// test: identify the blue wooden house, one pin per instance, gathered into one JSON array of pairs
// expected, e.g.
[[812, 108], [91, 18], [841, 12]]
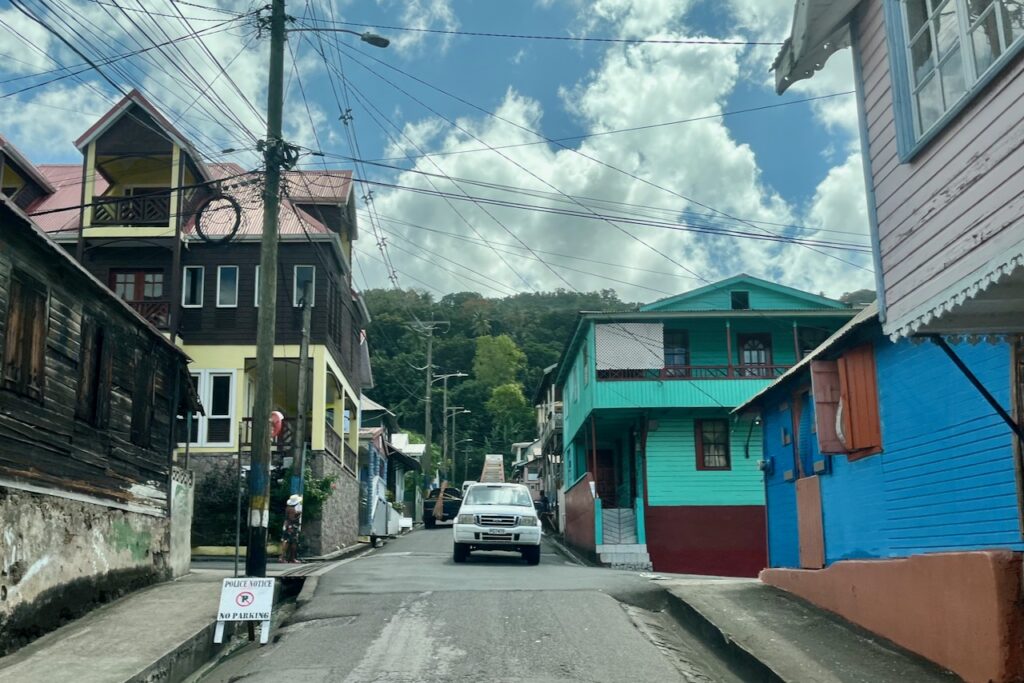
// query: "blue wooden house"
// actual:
[[656, 470], [892, 490]]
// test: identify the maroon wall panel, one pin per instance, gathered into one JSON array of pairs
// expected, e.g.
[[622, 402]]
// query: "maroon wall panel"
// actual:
[[726, 540], [579, 515]]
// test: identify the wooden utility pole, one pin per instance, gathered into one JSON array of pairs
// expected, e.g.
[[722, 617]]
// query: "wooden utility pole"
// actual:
[[274, 154], [427, 417], [299, 452]]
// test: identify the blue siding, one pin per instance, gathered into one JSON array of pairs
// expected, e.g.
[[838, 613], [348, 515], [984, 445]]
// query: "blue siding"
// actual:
[[945, 480], [783, 549]]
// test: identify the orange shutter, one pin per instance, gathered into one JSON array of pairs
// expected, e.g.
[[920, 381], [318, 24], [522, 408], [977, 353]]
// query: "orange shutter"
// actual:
[[825, 387], [859, 388]]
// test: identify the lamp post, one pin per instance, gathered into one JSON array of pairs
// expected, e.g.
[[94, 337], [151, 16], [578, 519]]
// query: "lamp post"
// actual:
[[444, 409], [366, 37], [456, 410]]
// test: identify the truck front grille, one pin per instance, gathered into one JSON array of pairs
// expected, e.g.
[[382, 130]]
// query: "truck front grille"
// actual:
[[496, 520]]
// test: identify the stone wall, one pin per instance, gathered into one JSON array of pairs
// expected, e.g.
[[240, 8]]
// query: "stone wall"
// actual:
[[338, 525], [59, 557]]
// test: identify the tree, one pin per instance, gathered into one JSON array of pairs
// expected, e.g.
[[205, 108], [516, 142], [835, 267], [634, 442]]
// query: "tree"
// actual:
[[860, 297], [498, 360], [511, 414]]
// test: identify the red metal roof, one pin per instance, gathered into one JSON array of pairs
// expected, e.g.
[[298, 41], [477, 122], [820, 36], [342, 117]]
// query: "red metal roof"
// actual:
[[67, 181]]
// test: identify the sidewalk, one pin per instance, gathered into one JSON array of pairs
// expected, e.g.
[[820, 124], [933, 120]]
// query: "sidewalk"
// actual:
[[163, 632], [769, 635], [160, 633]]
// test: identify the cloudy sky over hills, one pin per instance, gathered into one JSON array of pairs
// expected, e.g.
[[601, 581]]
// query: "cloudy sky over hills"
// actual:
[[455, 131]]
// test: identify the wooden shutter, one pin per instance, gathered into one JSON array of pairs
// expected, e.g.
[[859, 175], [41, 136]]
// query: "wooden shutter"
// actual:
[[86, 398], [142, 397], [37, 351], [859, 392], [105, 382], [825, 386], [13, 336]]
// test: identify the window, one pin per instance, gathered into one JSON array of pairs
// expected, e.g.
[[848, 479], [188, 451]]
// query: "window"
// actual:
[[943, 51], [712, 442], [25, 337], [755, 355], [95, 374], [183, 423], [192, 288], [216, 391], [740, 301], [302, 276], [137, 285], [227, 286], [256, 287], [677, 353], [810, 338], [846, 404], [142, 398]]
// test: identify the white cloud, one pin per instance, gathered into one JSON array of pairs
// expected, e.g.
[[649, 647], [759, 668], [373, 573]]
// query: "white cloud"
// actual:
[[702, 161], [424, 15]]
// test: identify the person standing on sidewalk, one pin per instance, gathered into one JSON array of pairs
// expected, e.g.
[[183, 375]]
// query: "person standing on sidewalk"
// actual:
[[290, 532]]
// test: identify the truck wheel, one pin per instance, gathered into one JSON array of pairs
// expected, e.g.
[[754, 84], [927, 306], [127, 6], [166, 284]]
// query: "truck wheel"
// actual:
[[532, 554], [460, 552], [428, 522]]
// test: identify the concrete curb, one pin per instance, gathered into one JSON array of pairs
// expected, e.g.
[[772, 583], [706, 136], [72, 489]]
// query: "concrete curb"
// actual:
[[741, 660], [312, 579], [565, 550]]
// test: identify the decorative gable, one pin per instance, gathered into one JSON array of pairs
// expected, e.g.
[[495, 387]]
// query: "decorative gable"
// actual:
[[744, 292]]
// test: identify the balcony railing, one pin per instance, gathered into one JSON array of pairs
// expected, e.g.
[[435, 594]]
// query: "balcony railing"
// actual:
[[691, 372], [333, 442], [140, 211], [156, 312], [350, 459], [285, 441]]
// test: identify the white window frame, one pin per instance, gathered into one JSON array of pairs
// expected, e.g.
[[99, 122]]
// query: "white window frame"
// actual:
[[204, 389], [296, 294], [911, 137], [221, 269], [202, 286], [256, 288]]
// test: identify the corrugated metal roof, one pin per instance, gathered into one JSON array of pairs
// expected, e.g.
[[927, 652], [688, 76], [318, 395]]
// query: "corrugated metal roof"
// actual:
[[319, 186], [67, 181]]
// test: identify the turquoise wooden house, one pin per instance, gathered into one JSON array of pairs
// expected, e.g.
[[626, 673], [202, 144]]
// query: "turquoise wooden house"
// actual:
[[657, 471]]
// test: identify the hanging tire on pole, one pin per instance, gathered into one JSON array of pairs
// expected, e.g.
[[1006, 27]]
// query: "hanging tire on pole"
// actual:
[[236, 223]]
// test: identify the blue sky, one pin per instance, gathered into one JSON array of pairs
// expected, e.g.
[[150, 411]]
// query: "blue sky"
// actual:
[[792, 165]]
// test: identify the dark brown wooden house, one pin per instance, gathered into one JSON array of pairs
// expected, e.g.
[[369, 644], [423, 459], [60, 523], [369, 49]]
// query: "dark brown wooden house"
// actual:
[[89, 391]]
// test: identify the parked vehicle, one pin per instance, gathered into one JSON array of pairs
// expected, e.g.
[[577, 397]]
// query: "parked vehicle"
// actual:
[[448, 509], [465, 485], [497, 517]]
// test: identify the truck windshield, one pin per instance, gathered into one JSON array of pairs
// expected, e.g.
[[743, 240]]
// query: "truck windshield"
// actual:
[[498, 495]]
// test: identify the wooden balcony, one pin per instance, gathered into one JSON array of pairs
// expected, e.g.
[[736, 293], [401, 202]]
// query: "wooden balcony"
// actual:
[[158, 313], [694, 372], [285, 441], [333, 442], [151, 210]]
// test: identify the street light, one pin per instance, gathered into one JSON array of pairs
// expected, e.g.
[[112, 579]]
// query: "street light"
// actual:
[[444, 409], [367, 37], [456, 410]]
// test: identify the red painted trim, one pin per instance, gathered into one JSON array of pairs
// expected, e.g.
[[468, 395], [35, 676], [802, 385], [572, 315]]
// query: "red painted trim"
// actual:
[[715, 540]]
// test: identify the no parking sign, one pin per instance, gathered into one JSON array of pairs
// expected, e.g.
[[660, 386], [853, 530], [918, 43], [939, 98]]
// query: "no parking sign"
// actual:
[[245, 599]]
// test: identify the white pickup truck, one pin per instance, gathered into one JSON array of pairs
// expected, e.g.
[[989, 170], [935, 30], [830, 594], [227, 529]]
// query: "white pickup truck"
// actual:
[[497, 517]]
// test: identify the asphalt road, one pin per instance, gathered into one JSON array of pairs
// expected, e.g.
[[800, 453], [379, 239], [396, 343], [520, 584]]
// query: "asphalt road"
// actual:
[[407, 613]]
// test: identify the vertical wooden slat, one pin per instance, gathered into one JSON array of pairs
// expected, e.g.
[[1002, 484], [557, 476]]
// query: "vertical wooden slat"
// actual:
[[825, 387]]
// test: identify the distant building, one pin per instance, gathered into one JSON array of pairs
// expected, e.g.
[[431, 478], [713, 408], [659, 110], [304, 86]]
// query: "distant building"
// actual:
[[656, 469], [90, 505]]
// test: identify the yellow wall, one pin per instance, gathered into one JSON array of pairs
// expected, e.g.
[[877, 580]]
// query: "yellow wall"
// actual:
[[11, 178], [127, 172], [225, 357]]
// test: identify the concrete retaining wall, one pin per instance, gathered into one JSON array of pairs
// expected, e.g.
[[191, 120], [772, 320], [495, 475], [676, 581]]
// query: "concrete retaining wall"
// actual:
[[182, 496], [59, 557], [960, 610]]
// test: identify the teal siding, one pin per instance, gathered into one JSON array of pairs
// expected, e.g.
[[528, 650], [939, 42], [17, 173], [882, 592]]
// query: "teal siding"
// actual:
[[578, 392], [672, 475], [761, 298]]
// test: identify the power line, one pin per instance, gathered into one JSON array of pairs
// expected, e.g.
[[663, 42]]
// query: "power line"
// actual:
[[544, 137], [632, 129], [578, 39]]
